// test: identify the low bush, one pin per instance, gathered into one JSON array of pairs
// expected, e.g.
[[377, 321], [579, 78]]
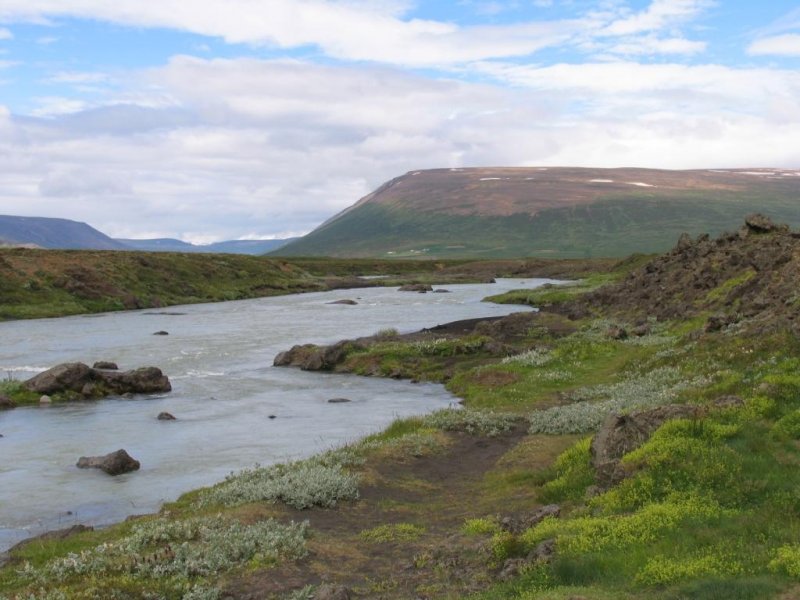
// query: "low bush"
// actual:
[[474, 422], [300, 485]]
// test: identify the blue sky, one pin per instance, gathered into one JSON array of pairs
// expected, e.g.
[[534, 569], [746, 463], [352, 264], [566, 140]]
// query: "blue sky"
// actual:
[[219, 119]]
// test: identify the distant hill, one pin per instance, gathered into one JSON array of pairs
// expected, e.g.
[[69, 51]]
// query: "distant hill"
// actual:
[[54, 233], [548, 212], [63, 234], [230, 247]]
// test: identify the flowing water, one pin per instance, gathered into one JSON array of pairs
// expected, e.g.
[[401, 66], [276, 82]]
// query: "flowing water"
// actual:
[[218, 357]]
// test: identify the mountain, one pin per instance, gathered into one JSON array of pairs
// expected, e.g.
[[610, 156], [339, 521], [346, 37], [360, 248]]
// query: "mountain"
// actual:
[[548, 212], [53, 233], [229, 247]]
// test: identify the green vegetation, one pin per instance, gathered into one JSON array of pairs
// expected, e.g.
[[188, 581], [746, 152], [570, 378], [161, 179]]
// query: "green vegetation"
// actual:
[[704, 507], [51, 283], [13, 389], [615, 226]]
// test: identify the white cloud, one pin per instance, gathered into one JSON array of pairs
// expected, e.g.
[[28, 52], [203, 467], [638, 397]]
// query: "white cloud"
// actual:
[[79, 77], [651, 45], [659, 15], [778, 45], [5, 34], [364, 31], [214, 149], [48, 106]]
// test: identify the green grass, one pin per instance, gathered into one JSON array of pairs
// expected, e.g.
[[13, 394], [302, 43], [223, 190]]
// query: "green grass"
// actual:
[[613, 227]]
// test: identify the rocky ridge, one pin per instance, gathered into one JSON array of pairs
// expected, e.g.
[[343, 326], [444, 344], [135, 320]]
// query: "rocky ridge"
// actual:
[[748, 277]]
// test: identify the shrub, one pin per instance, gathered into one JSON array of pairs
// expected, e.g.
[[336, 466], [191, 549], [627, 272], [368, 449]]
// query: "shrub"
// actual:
[[787, 560], [655, 388], [663, 570], [474, 422], [788, 427], [300, 485], [398, 532], [599, 533], [574, 474], [481, 526], [535, 357], [191, 548]]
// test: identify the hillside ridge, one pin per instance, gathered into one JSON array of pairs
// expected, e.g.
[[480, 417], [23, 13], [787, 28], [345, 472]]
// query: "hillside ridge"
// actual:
[[559, 212]]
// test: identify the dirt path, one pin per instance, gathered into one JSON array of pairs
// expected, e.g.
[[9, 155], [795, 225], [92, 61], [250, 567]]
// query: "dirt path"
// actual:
[[433, 493]]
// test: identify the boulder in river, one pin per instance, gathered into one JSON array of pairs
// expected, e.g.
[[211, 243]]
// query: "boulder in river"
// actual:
[[346, 301], [339, 400], [416, 287], [165, 416], [115, 463], [88, 382], [61, 378], [105, 365], [161, 333], [6, 402]]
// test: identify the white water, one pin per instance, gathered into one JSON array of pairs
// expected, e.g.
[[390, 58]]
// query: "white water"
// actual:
[[218, 357]]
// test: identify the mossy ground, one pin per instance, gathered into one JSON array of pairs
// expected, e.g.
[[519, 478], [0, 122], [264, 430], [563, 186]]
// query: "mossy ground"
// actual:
[[709, 509]]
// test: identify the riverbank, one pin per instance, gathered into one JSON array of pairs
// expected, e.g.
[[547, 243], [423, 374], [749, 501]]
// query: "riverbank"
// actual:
[[692, 495], [55, 283]]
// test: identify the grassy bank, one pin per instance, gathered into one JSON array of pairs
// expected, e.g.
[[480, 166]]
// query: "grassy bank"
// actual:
[[54, 283]]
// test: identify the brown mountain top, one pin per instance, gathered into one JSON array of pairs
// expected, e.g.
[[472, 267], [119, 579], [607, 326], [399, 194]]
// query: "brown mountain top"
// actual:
[[504, 191]]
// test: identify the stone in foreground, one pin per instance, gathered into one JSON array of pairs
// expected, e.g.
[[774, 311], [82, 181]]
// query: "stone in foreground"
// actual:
[[116, 463], [95, 383]]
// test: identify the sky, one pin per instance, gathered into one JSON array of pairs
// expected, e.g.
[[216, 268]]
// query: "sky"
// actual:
[[206, 120]]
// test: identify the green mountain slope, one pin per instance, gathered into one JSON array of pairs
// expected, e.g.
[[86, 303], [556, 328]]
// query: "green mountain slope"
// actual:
[[560, 212]]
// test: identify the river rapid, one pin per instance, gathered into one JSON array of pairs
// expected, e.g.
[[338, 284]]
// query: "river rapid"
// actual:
[[219, 360]]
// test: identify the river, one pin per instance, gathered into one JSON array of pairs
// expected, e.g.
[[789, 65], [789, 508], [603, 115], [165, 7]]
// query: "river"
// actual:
[[219, 359]]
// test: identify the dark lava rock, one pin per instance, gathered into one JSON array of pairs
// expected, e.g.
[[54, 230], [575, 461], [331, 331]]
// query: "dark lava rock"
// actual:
[[115, 463], [94, 383], [165, 416], [621, 434], [161, 333], [329, 591], [6, 402], [61, 378], [338, 400], [146, 380], [416, 287], [544, 552], [716, 323], [758, 223], [106, 365], [348, 302], [617, 333], [518, 524]]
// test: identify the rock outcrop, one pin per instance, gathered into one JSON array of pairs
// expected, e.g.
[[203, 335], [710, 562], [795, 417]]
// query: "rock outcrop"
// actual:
[[115, 463], [746, 278], [621, 434], [87, 382], [317, 358]]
